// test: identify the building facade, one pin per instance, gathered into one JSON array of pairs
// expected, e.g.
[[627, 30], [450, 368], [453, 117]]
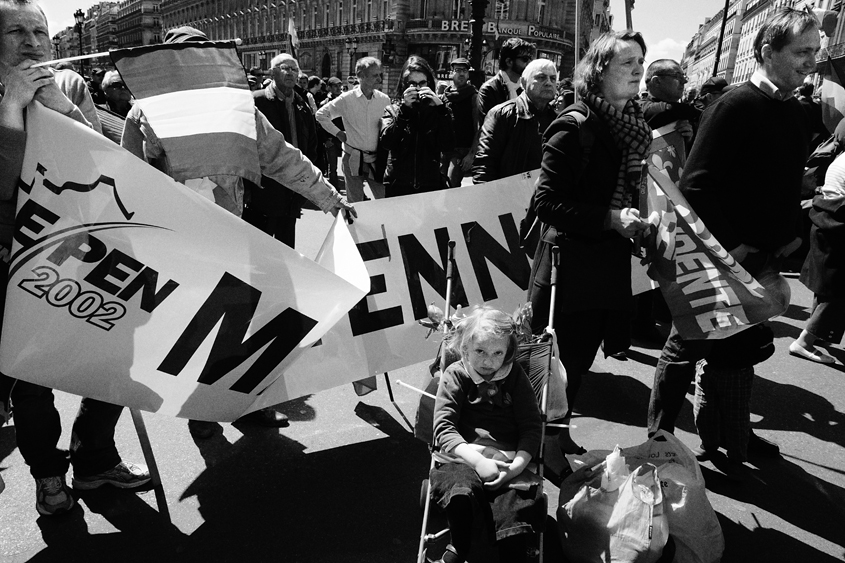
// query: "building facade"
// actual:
[[334, 34], [742, 22], [138, 23]]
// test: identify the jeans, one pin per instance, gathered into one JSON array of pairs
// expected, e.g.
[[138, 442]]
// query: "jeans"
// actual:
[[38, 429]]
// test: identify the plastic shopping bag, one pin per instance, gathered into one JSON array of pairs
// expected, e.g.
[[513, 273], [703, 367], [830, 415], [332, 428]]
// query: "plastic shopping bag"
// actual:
[[692, 520], [622, 525]]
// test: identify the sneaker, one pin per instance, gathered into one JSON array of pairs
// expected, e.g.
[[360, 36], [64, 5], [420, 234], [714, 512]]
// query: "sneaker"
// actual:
[[123, 476], [52, 496]]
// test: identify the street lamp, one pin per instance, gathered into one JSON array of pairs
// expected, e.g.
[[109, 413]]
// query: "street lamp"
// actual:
[[80, 19], [477, 9], [57, 44], [351, 47], [262, 56]]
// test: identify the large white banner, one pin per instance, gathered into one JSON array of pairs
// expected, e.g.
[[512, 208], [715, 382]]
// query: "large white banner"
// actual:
[[128, 287], [404, 242]]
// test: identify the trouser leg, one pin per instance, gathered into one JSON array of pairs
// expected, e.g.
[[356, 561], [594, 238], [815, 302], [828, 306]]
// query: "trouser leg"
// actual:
[[92, 440], [38, 429], [672, 377]]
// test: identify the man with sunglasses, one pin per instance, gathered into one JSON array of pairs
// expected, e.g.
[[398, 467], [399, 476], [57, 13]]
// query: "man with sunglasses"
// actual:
[[665, 82], [112, 112], [514, 56]]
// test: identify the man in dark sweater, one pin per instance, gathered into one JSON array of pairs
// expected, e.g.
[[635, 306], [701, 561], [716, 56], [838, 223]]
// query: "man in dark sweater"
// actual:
[[743, 178]]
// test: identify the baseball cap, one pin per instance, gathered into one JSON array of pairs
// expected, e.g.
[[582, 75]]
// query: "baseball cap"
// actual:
[[334, 81], [713, 85], [460, 61]]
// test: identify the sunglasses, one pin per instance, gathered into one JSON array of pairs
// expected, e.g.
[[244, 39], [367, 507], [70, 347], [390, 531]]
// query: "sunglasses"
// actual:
[[420, 84]]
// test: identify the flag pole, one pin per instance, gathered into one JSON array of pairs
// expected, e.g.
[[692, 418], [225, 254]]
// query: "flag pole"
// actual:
[[69, 59], [577, 42]]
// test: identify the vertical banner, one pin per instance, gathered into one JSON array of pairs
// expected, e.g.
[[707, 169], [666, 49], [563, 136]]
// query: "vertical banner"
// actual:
[[710, 294], [127, 287]]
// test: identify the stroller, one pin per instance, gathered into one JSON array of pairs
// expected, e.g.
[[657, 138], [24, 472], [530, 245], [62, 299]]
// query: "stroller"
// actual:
[[538, 358]]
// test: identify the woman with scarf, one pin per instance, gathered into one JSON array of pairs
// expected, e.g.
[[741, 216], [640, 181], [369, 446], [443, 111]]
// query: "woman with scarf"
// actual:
[[416, 130], [587, 199]]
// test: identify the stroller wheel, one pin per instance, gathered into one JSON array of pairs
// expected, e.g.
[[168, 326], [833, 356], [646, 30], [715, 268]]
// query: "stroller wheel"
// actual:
[[423, 493]]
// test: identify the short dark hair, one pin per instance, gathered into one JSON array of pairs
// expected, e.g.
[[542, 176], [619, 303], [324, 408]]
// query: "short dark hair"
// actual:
[[314, 81], [513, 48], [601, 52], [415, 63], [780, 29], [658, 66]]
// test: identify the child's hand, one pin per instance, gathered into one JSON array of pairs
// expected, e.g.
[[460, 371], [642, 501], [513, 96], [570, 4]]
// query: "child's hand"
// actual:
[[490, 469], [505, 474]]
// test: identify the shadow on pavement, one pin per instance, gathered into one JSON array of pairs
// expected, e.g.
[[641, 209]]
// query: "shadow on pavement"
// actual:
[[743, 545], [794, 409], [143, 535], [786, 490], [265, 498], [623, 399]]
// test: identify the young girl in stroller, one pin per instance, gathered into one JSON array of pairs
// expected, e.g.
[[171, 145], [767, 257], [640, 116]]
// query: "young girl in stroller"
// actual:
[[487, 425]]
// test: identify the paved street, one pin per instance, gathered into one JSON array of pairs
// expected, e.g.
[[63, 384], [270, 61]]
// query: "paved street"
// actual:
[[342, 483]]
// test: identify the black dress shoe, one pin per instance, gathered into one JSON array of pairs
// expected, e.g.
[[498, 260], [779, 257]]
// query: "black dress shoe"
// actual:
[[268, 417], [761, 446]]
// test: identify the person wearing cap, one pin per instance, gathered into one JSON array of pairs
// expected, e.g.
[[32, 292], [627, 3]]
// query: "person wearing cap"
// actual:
[[279, 161], [514, 55], [710, 91], [94, 87], [462, 96]]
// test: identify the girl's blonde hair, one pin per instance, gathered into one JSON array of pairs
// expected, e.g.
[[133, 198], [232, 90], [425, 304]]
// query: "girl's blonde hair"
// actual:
[[483, 320]]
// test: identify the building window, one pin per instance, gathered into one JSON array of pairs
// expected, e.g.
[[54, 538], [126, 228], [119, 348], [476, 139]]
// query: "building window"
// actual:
[[354, 14], [326, 15], [384, 10], [541, 11], [423, 9], [314, 17], [339, 19], [369, 10], [502, 9]]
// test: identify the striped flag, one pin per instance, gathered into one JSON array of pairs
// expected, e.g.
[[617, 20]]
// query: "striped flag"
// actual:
[[196, 97], [293, 39]]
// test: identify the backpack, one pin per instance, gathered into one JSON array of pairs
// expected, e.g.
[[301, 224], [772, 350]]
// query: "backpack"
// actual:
[[817, 165], [530, 228]]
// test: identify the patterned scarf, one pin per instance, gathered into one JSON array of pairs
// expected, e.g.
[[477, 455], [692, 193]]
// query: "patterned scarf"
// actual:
[[633, 137]]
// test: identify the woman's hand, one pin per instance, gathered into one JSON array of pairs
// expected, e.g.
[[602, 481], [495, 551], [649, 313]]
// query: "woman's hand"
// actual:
[[427, 96], [410, 96], [627, 222]]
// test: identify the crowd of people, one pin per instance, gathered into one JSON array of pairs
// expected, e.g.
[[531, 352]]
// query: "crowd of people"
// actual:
[[747, 147]]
